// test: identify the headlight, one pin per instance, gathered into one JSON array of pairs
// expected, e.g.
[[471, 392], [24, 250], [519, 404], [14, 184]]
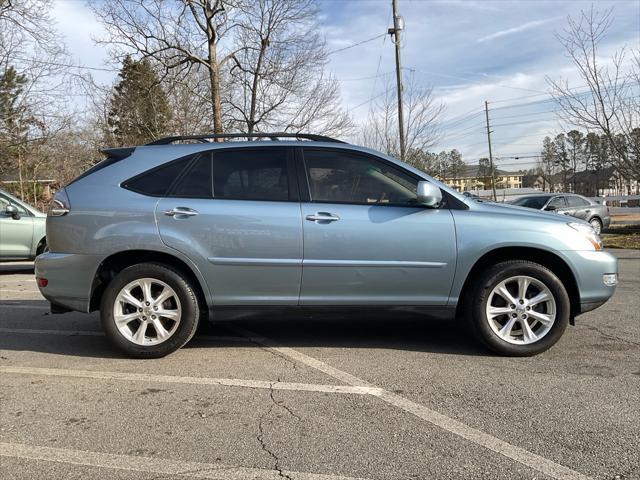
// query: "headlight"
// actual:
[[588, 232]]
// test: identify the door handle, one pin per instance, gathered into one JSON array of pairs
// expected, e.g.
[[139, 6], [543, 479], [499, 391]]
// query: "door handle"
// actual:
[[323, 217], [181, 211]]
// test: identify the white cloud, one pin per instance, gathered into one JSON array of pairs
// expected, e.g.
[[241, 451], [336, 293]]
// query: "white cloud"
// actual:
[[520, 28]]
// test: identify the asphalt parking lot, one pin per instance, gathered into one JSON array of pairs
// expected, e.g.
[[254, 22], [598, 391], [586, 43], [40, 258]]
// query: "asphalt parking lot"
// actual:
[[317, 398]]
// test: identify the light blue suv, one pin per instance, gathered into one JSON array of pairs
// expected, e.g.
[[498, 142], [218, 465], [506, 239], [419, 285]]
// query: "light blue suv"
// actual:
[[160, 236]]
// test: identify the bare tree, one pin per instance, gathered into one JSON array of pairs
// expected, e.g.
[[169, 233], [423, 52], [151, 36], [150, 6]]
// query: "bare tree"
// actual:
[[277, 80], [611, 104], [179, 36], [31, 52], [422, 115]]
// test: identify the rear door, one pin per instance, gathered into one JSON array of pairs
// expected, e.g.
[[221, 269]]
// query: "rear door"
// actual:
[[236, 213], [366, 241], [16, 235]]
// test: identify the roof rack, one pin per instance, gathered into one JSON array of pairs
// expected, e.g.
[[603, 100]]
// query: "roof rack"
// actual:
[[273, 136]]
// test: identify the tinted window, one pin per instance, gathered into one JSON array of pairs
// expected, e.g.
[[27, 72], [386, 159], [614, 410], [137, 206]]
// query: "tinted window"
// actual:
[[157, 181], [531, 202], [346, 177], [196, 183], [251, 174], [577, 202], [557, 202]]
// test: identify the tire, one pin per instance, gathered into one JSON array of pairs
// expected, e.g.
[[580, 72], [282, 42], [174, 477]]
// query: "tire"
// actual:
[[596, 224], [176, 317], [493, 330], [42, 247]]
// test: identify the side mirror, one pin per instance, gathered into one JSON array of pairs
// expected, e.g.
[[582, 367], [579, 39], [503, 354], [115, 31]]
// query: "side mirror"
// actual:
[[12, 211], [550, 208], [428, 194]]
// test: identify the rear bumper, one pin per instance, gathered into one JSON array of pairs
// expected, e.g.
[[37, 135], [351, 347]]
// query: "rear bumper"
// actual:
[[70, 278]]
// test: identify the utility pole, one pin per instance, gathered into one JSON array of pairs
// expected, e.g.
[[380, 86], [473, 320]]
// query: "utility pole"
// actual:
[[493, 172], [398, 25]]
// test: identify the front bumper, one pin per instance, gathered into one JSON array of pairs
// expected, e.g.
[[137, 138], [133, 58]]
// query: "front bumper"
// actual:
[[70, 278], [589, 268]]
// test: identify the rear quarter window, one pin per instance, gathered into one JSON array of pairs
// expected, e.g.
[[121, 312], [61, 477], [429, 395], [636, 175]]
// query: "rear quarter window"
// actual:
[[157, 181]]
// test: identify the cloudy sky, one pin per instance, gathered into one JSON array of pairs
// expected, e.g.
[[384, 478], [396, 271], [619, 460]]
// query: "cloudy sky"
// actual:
[[468, 51]]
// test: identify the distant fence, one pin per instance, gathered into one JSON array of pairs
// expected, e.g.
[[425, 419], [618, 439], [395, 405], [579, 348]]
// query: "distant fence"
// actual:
[[620, 201]]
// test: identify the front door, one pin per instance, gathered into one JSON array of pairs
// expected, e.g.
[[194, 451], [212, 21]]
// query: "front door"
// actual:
[[366, 241], [16, 234], [237, 212]]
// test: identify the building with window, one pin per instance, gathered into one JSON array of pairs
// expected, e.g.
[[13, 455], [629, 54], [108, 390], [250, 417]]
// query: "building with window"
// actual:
[[473, 179]]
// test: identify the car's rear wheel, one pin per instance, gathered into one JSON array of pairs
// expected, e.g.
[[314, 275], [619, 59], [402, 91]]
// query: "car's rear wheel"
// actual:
[[149, 310], [518, 308], [596, 224]]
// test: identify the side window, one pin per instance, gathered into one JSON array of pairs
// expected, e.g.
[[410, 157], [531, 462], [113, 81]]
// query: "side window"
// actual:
[[157, 181], [251, 174], [196, 183], [577, 201], [348, 177], [557, 202]]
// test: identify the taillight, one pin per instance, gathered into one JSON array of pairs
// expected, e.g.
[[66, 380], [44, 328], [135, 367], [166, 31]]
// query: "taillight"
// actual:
[[60, 204]]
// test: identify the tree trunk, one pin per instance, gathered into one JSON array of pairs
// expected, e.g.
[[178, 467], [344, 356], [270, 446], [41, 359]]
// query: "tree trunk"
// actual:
[[254, 87], [214, 79]]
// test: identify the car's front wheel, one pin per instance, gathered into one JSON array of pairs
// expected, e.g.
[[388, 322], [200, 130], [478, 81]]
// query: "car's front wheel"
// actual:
[[518, 308], [149, 310]]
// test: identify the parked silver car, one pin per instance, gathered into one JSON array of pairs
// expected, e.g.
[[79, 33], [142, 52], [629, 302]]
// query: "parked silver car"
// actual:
[[22, 229], [569, 204], [159, 236]]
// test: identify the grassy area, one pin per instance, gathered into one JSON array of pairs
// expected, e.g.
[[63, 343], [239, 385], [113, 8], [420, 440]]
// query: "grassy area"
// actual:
[[622, 236]]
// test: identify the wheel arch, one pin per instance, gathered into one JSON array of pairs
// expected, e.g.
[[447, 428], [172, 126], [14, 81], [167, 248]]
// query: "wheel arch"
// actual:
[[41, 243], [547, 259], [115, 263]]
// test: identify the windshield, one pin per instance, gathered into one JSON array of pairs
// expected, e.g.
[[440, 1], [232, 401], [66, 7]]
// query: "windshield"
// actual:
[[531, 202]]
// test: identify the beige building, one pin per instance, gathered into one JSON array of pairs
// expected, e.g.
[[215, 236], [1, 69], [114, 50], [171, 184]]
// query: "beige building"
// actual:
[[471, 180]]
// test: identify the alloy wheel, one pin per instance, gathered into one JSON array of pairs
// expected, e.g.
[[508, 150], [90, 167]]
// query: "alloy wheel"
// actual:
[[521, 310], [147, 311]]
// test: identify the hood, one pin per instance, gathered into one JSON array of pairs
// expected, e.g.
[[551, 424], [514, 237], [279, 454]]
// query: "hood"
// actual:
[[507, 209]]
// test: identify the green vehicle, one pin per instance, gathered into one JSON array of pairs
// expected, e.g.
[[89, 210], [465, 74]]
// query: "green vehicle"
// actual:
[[22, 229]]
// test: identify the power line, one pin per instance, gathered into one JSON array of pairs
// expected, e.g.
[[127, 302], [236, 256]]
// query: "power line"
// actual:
[[548, 93], [371, 77], [356, 44]]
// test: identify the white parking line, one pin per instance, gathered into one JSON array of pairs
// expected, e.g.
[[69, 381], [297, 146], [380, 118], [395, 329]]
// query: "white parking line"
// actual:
[[536, 462], [159, 466], [228, 382], [6, 290]]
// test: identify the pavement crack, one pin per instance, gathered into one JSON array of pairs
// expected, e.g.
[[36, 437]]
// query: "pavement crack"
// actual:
[[260, 437]]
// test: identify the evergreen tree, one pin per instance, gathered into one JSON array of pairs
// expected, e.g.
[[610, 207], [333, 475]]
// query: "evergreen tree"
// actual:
[[575, 153], [139, 111], [548, 161], [562, 157], [456, 164], [14, 116]]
